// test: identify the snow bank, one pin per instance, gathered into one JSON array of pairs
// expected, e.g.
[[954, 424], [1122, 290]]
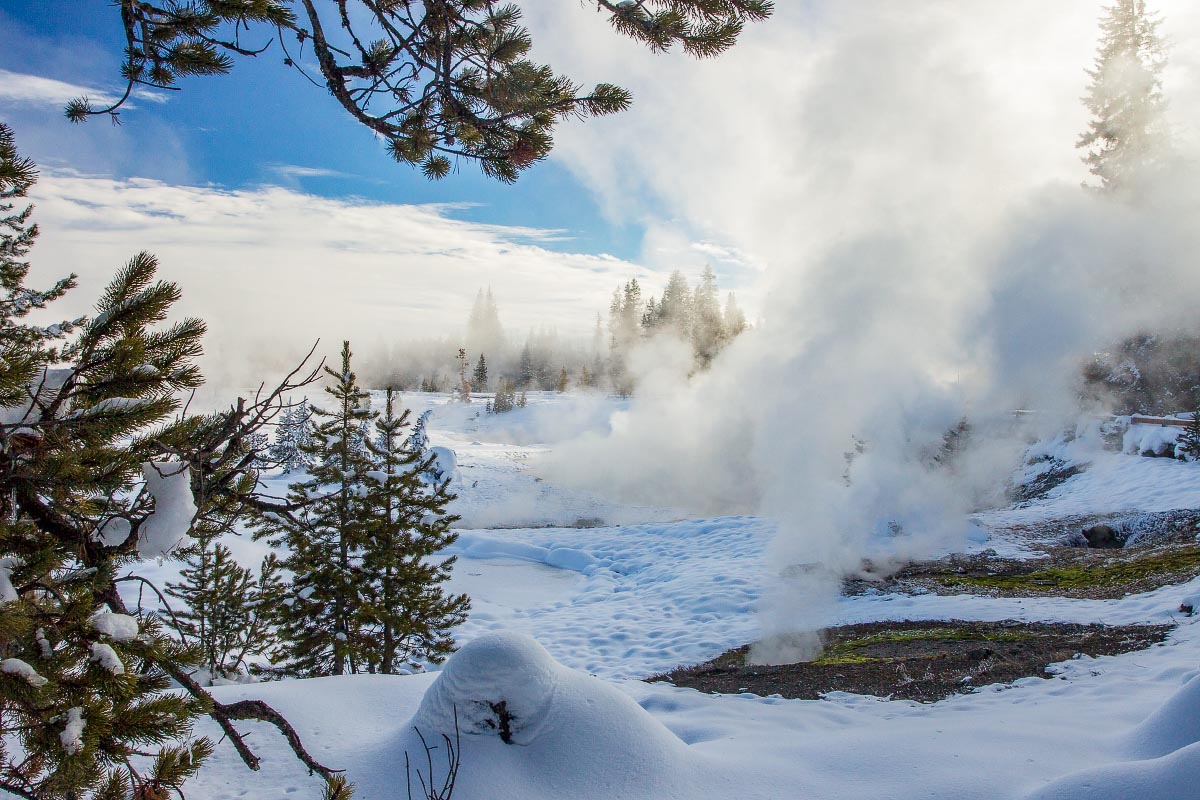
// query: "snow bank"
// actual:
[[1176, 724], [531, 728], [472, 544], [1150, 440], [1171, 777], [445, 463]]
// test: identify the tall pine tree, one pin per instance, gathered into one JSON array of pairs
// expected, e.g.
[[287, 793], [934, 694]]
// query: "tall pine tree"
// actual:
[[318, 619], [405, 615], [1126, 135]]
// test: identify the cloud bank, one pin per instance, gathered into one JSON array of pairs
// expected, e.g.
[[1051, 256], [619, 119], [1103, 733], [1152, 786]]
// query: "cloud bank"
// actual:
[[272, 269]]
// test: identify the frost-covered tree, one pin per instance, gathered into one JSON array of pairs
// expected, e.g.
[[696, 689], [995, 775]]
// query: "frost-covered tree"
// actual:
[[292, 437], [735, 319], [1187, 446], [404, 613], [437, 82], [505, 399], [96, 472], [708, 324], [676, 309], [1127, 134], [317, 620]]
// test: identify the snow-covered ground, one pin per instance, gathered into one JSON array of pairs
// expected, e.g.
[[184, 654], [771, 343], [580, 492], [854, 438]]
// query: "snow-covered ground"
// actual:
[[612, 593]]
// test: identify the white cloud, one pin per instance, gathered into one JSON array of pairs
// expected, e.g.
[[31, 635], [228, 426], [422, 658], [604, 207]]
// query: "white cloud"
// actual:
[[272, 269], [17, 87], [297, 171]]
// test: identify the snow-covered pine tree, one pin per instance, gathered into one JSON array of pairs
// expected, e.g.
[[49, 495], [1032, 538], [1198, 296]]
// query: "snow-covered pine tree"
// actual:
[[317, 620], [95, 473], [734, 319], [1187, 446], [405, 614], [291, 437], [560, 385], [227, 609], [1126, 135], [418, 439], [479, 379], [675, 309]]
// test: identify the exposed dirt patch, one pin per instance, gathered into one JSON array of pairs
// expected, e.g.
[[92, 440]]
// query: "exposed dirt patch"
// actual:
[[924, 661], [1065, 572]]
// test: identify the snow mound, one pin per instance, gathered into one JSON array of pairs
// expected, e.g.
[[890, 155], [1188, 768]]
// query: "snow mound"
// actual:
[[1174, 725], [445, 463], [1150, 440], [1171, 777], [532, 728]]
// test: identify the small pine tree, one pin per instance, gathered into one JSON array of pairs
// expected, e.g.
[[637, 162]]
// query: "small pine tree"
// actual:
[[405, 614], [226, 607], [561, 385], [522, 400], [505, 397], [317, 620], [480, 377], [292, 437], [585, 378], [1187, 446]]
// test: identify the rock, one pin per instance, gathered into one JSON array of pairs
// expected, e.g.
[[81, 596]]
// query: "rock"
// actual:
[[1103, 536]]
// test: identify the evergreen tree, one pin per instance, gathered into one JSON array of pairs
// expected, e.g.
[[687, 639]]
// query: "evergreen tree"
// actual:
[[505, 397], [405, 614], [527, 374], [1126, 136], [318, 620], [708, 326], [735, 320], [561, 386], [675, 308], [436, 82], [585, 378], [480, 376], [418, 439], [227, 609], [484, 331], [96, 472], [292, 437], [1187, 446]]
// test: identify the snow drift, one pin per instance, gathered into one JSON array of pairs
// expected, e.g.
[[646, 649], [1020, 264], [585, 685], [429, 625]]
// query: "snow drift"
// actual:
[[531, 728]]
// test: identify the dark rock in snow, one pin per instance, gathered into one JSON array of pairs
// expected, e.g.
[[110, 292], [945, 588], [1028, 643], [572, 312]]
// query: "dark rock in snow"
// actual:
[[1103, 536]]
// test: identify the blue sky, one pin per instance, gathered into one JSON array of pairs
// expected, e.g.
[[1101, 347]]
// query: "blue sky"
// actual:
[[833, 126], [263, 123]]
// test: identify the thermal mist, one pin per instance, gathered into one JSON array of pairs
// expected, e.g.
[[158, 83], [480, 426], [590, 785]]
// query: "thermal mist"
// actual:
[[913, 186]]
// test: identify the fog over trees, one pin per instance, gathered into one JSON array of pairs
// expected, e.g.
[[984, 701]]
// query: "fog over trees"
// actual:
[[544, 359]]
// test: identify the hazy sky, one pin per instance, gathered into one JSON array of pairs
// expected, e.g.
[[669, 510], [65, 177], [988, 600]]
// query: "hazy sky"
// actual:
[[283, 220]]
